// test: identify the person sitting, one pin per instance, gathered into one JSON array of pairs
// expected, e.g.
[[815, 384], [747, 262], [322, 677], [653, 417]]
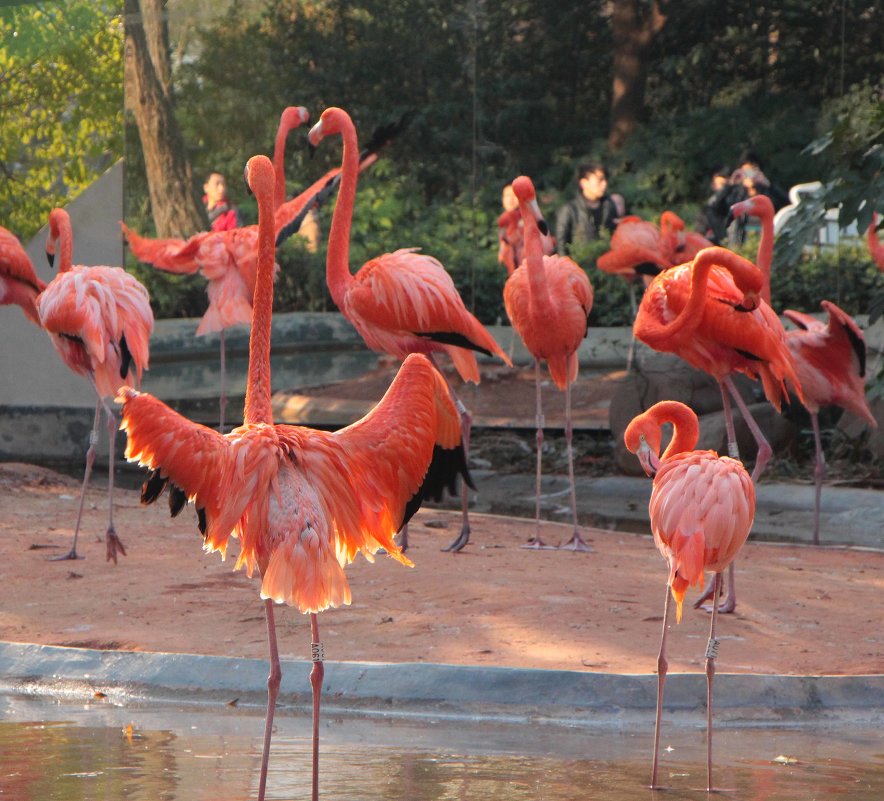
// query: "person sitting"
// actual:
[[584, 217]]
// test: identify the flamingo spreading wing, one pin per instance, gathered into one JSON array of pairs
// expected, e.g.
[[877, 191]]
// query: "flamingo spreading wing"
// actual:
[[100, 321], [19, 283], [548, 301], [302, 503], [702, 508]]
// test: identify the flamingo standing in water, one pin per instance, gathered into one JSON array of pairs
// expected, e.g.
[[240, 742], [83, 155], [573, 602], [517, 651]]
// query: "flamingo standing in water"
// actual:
[[302, 502], [401, 302], [709, 313], [19, 283], [830, 358], [99, 320], [548, 301], [702, 507]]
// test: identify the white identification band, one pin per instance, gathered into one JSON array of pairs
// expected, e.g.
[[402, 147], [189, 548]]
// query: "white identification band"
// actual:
[[712, 648], [317, 653]]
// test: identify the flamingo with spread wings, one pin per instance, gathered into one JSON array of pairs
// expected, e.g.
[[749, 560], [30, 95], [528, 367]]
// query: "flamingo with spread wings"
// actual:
[[401, 302], [100, 321], [303, 503], [548, 300], [19, 283]]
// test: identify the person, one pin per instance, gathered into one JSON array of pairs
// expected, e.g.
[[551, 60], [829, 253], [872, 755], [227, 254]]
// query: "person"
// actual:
[[584, 217], [223, 215], [711, 222]]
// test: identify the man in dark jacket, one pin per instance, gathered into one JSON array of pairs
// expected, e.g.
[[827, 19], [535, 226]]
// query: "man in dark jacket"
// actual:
[[583, 218]]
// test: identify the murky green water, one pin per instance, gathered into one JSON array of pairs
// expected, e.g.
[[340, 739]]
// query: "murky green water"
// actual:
[[61, 751]]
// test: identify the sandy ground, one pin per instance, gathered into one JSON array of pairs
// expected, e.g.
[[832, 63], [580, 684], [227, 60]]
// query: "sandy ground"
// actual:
[[801, 610]]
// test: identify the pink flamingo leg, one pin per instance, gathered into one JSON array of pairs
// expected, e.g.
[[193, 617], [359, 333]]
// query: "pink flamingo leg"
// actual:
[[633, 307], [401, 539], [764, 449], [112, 542], [90, 460], [222, 400], [273, 681], [819, 473], [535, 543], [316, 676], [662, 669], [576, 543], [711, 653]]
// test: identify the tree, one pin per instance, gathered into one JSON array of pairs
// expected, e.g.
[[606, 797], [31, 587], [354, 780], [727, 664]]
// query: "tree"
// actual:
[[61, 113], [176, 209], [635, 23]]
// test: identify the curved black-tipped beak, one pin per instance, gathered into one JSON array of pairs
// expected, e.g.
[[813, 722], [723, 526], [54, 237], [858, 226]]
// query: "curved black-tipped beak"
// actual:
[[543, 227], [245, 177], [50, 257]]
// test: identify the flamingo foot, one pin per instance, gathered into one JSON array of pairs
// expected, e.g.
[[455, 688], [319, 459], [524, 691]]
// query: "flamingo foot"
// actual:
[[576, 543], [113, 545], [460, 542], [537, 544], [728, 606], [71, 554]]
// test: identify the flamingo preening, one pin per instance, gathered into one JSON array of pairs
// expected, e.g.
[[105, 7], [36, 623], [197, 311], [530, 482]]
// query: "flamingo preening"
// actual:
[[401, 302], [301, 502], [830, 357], [99, 320], [710, 313], [19, 284], [702, 507], [548, 300]]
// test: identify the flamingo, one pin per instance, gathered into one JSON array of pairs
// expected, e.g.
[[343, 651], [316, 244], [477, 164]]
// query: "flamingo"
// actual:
[[710, 314], [100, 321], [19, 283], [548, 301], [401, 302], [876, 249], [225, 258], [302, 502], [830, 358], [702, 507], [510, 236]]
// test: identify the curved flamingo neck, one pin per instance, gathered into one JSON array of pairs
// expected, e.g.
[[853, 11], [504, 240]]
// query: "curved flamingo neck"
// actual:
[[764, 258], [258, 408], [337, 262], [538, 291], [686, 427], [288, 121], [60, 231], [746, 276]]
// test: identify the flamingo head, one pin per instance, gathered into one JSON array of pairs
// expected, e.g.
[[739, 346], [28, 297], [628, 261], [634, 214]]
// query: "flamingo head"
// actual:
[[59, 223], [524, 191], [643, 438], [293, 117], [332, 121], [756, 206], [671, 223], [259, 175]]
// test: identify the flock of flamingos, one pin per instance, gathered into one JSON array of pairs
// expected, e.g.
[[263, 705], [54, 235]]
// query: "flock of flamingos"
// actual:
[[303, 502]]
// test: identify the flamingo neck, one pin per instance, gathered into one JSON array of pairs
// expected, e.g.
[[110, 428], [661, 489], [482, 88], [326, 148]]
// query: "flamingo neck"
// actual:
[[337, 261], [686, 428], [282, 133], [258, 408], [64, 243], [538, 292], [764, 259]]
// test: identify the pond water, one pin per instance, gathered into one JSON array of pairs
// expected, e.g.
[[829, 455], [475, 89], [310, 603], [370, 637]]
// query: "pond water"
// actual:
[[53, 750]]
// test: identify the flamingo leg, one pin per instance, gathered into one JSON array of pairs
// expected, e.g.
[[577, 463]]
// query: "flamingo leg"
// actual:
[[316, 676], [112, 542], [633, 308], [764, 449], [273, 681], [401, 539], [222, 400], [576, 543], [535, 543], [90, 460], [711, 653], [819, 473], [662, 668]]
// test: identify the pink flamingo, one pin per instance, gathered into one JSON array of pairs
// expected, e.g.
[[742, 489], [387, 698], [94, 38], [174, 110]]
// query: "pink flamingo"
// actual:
[[19, 283], [301, 502], [99, 320], [548, 301], [226, 259], [830, 358], [710, 314], [876, 249], [702, 507], [401, 302]]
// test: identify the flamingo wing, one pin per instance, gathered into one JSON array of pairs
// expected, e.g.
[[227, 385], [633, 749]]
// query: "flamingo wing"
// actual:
[[171, 255], [19, 283]]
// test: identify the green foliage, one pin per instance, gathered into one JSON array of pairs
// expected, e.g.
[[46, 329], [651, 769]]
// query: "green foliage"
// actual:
[[61, 80]]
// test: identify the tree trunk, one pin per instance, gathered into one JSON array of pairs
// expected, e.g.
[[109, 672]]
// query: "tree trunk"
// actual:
[[176, 208], [156, 31], [635, 24]]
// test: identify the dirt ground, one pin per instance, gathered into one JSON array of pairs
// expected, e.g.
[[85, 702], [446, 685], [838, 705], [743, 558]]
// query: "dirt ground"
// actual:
[[801, 610]]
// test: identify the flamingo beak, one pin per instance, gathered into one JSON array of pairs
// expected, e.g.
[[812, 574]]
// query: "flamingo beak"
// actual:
[[314, 137], [538, 217], [649, 460], [246, 179], [749, 303]]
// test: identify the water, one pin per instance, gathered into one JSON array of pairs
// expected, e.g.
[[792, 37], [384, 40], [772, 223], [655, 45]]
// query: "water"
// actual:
[[53, 750]]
